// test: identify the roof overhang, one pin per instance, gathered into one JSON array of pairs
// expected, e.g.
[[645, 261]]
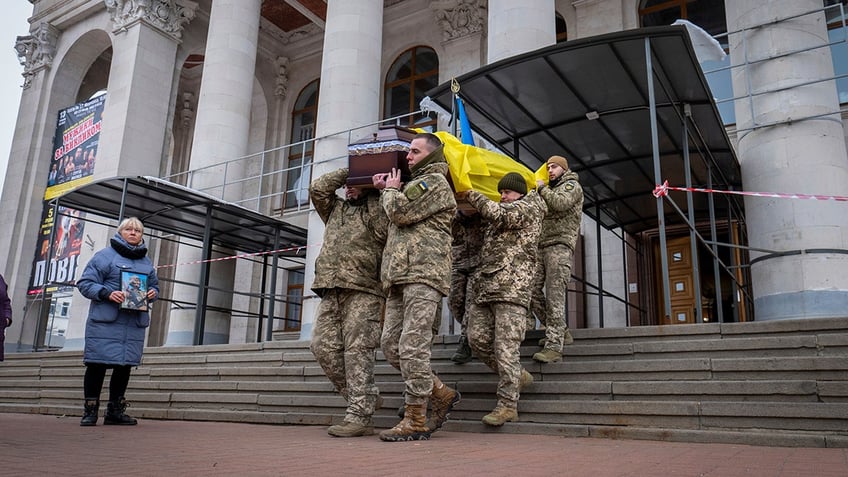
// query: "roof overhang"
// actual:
[[174, 209], [590, 101]]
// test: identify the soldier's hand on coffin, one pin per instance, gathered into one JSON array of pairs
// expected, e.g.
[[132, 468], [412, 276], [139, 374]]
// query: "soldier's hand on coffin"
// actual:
[[393, 179], [379, 180]]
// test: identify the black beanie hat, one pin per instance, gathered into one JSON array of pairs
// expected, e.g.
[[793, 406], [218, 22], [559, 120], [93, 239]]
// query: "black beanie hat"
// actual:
[[514, 182]]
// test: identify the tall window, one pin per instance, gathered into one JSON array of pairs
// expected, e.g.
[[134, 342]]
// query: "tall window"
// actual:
[[837, 34], [299, 170], [415, 72], [709, 15], [294, 300]]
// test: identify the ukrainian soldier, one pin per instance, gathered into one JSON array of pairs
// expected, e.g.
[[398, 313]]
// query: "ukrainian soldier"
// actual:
[[502, 288], [416, 275], [467, 231], [347, 278], [564, 198]]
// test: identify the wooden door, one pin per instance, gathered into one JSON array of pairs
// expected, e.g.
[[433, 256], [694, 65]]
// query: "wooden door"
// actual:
[[681, 283]]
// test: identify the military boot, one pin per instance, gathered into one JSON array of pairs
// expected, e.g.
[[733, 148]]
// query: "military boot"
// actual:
[[463, 352], [115, 414], [413, 426], [89, 413], [525, 380], [350, 429], [567, 338], [548, 356], [500, 415], [442, 400]]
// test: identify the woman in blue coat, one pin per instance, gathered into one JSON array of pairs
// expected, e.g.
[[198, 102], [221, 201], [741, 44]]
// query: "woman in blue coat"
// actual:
[[114, 331]]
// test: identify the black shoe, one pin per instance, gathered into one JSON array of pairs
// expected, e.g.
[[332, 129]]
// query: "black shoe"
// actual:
[[463, 352], [115, 414], [89, 414]]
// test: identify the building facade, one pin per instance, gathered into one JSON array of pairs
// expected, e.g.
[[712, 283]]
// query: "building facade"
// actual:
[[212, 93]]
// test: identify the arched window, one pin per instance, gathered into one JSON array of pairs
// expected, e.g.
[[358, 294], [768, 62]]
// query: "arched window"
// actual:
[[709, 15], [412, 74], [561, 29], [299, 169]]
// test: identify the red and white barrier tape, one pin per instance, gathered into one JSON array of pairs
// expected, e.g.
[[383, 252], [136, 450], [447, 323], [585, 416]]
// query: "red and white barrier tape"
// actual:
[[662, 190], [233, 257]]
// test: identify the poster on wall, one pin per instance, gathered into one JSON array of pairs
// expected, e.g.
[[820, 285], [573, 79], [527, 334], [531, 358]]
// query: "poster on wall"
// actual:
[[75, 146], [57, 254], [71, 165]]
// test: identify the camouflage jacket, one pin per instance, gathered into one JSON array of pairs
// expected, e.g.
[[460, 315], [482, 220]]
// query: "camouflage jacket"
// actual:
[[508, 258], [565, 210], [418, 247], [354, 237], [467, 231]]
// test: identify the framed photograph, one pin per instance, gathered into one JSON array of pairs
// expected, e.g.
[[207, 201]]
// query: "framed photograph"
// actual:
[[134, 286]]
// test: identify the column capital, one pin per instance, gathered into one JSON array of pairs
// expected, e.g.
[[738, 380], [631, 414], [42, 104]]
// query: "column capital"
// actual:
[[167, 16], [35, 52], [458, 18]]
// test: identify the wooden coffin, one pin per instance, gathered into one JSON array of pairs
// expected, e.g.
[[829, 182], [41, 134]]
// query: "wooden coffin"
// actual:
[[384, 150]]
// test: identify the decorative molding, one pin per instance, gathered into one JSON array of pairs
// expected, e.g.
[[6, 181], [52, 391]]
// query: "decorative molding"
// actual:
[[187, 111], [582, 3], [35, 52], [168, 16], [282, 88], [459, 18]]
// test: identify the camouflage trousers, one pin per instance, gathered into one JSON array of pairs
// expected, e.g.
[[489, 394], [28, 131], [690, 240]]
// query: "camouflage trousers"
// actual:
[[459, 296], [408, 336], [550, 284], [346, 334], [495, 332]]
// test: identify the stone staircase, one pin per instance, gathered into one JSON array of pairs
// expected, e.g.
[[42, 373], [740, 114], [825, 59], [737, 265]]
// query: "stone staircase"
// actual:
[[779, 383]]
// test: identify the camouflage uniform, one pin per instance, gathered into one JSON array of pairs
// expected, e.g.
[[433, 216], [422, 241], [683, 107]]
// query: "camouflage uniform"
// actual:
[[467, 232], [416, 270], [564, 198], [502, 285], [347, 278]]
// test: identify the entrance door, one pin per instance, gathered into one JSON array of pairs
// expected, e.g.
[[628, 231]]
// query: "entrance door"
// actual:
[[681, 283]]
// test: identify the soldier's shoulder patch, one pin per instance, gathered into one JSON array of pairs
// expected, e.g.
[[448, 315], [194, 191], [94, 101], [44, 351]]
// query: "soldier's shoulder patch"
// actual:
[[570, 185]]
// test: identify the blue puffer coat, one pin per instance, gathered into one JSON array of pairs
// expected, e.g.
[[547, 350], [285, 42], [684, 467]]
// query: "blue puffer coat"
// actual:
[[113, 335]]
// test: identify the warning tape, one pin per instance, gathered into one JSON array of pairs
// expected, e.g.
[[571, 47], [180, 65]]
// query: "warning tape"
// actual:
[[243, 255], [662, 190]]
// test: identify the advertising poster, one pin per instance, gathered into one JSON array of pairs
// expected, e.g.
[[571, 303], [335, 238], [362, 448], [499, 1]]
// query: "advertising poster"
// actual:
[[71, 165], [63, 251], [74, 146]]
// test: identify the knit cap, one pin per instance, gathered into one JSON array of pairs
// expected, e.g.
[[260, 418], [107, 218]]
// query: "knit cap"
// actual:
[[559, 160], [514, 182]]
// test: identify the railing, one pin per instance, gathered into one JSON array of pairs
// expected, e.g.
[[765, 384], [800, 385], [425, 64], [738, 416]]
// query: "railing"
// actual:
[[265, 182]]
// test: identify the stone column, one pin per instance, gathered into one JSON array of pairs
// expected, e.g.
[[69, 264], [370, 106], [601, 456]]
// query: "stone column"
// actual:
[[349, 97], [137, 106], [519, 26], [220, 134], [23, 189], [781, 151]]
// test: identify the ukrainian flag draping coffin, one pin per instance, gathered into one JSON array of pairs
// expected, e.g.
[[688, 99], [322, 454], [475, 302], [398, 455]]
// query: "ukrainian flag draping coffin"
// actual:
[[385, 150], [480, 169]]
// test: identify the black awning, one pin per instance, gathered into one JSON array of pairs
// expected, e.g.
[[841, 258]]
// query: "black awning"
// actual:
[[589, 101], [174, 209]]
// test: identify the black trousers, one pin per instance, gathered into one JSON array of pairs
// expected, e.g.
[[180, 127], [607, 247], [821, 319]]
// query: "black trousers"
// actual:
[[95, 374]]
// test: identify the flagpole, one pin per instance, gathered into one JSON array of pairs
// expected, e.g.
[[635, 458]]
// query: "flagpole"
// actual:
[[454, 96]]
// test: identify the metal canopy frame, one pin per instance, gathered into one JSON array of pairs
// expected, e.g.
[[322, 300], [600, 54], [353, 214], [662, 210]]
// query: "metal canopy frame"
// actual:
[[629, 110], [172, 209]]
